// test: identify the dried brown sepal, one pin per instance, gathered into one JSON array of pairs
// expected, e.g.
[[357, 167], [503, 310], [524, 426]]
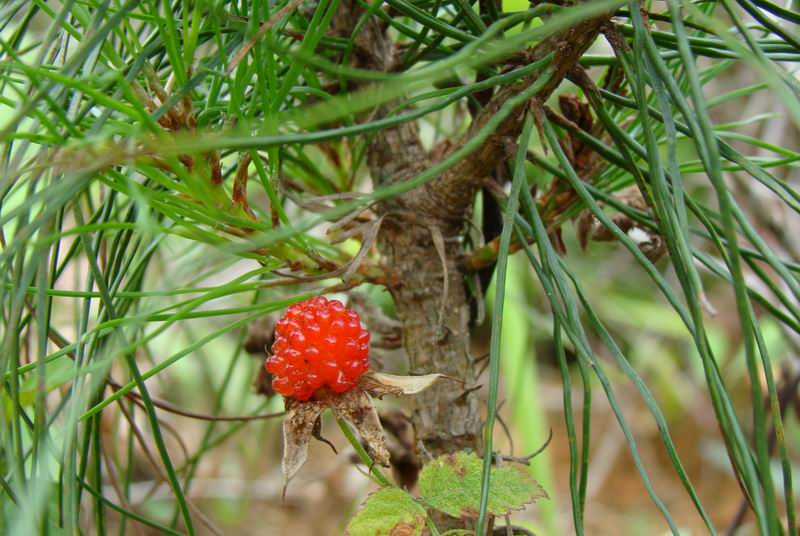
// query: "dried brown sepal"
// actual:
[[356, 407], [298, 426], [379, 384]]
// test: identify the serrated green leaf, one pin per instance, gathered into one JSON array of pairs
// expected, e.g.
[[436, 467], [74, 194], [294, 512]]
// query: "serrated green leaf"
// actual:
[[388, 512], [452, 484]]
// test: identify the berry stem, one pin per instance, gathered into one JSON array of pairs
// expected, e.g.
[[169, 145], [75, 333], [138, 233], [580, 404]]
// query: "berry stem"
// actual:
[[364, 455]]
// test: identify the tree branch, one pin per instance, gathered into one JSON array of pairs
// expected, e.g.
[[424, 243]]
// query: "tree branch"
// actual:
[[456, 189]]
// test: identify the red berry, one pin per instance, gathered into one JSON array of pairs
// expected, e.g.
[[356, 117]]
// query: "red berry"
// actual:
[[318, 343]]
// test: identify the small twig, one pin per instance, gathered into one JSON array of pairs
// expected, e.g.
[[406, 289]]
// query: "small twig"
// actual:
[[112, 478], [541, 449], [161, 404], [143, 444], [480, 358], [318, 203], [368, 236], [526, 460], [469, 390], [507, 431], [140, 439], [166, 406], [347, 218], [438, 243]]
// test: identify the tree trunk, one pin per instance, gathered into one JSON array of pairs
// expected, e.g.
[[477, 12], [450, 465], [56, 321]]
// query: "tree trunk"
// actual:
[[421, 235], [447, 415]]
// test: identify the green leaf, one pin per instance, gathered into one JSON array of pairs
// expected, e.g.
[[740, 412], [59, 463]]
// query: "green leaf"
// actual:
[[452, 484], [388, 511]]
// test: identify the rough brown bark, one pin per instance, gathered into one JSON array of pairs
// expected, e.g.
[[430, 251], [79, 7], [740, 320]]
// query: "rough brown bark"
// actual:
[[431, 298], [447, 415]]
